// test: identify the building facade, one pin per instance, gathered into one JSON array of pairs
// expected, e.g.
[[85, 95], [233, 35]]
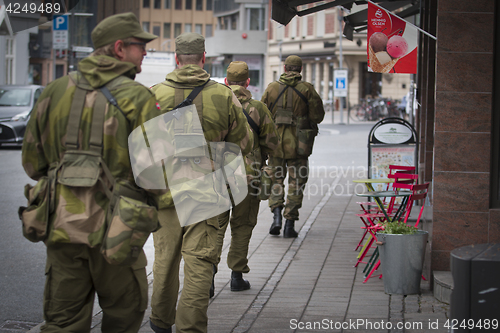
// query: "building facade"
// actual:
[[315, 38], [240, 35]]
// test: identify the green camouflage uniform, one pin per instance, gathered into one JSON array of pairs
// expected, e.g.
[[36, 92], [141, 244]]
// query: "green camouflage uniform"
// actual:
[[74, 272], [285, 158], [244, 215], [222, 120]]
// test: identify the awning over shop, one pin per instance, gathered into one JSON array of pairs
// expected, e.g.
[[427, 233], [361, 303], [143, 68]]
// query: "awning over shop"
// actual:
[[5, 27], [283, 11]]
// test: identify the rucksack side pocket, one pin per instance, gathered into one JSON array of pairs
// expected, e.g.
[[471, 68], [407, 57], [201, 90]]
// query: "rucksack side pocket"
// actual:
[[305, 141], [35, 217], [130, 225]]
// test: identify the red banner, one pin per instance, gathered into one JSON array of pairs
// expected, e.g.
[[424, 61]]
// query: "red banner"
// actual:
[[392, 42]]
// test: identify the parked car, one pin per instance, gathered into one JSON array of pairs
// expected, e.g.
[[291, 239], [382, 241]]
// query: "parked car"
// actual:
[[16, 104]]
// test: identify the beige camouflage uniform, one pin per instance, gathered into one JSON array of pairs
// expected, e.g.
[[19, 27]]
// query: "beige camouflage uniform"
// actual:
[[76, 271], [244, 215], [222, 120], [285, 159]]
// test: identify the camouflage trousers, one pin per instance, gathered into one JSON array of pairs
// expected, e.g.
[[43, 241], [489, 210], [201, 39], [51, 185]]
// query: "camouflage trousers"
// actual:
[[243, 220], [196, 244], [298, 174], [74, 273]]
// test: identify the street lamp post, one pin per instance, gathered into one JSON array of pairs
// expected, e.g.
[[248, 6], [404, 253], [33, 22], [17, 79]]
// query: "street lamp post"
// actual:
[[341, 107]]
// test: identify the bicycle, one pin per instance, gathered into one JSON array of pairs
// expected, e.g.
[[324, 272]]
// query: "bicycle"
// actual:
[[362, 111]]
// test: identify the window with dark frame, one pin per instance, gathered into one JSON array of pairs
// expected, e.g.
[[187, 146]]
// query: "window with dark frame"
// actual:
[[145, 4], [177, 29], [167, 4], [178, 4], [198, 28], [209, 4], [208, 30], [156, 30], [166, 30], [157, 4], [199, 4], [189, 4]]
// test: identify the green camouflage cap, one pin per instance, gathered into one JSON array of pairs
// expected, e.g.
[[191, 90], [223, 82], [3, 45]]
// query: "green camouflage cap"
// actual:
[[293, 60], [237, 71], [190, 43], [119, 27]]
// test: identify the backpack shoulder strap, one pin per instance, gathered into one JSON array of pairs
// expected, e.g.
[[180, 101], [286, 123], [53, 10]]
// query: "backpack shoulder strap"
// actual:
[[301, 95], [75, 114], [251, 122], [283, 87]]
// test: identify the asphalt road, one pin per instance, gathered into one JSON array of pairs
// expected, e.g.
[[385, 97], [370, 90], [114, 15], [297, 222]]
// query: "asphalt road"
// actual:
[[338, 149], [22, 262]]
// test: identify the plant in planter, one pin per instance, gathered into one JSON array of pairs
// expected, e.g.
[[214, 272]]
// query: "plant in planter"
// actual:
[[397, 228], [402, 250]]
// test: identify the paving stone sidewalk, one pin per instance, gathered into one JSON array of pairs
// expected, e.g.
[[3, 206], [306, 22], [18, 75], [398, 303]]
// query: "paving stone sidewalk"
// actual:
[[309, 284]]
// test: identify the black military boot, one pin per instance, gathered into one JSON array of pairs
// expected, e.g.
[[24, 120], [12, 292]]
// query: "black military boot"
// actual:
[[289, 232], [157, 329], [277, 221], [238, 283]]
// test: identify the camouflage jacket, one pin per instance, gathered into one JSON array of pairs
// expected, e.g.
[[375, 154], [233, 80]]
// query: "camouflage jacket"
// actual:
[[45, 138], [220, 112], [267, 140], [314, 112]]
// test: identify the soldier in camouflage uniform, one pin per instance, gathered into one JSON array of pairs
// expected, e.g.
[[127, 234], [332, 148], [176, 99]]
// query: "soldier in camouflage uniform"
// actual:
[[74, 272], [222, 119], [244, 215], [297, 109]]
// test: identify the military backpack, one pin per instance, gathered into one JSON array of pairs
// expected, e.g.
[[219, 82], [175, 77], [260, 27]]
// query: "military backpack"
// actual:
[[120, 222]]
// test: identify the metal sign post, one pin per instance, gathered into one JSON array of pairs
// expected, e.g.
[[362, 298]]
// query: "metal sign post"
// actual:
[[59, 37]]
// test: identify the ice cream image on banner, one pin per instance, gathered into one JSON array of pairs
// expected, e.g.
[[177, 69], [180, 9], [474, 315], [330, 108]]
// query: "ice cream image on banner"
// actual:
[[170, 153], [390, 40]]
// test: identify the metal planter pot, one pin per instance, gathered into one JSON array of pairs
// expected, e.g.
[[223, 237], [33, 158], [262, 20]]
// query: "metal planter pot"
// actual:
[[402, 259]]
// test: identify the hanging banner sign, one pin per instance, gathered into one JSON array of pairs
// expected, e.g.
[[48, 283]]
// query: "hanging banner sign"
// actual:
[[392, 42]]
